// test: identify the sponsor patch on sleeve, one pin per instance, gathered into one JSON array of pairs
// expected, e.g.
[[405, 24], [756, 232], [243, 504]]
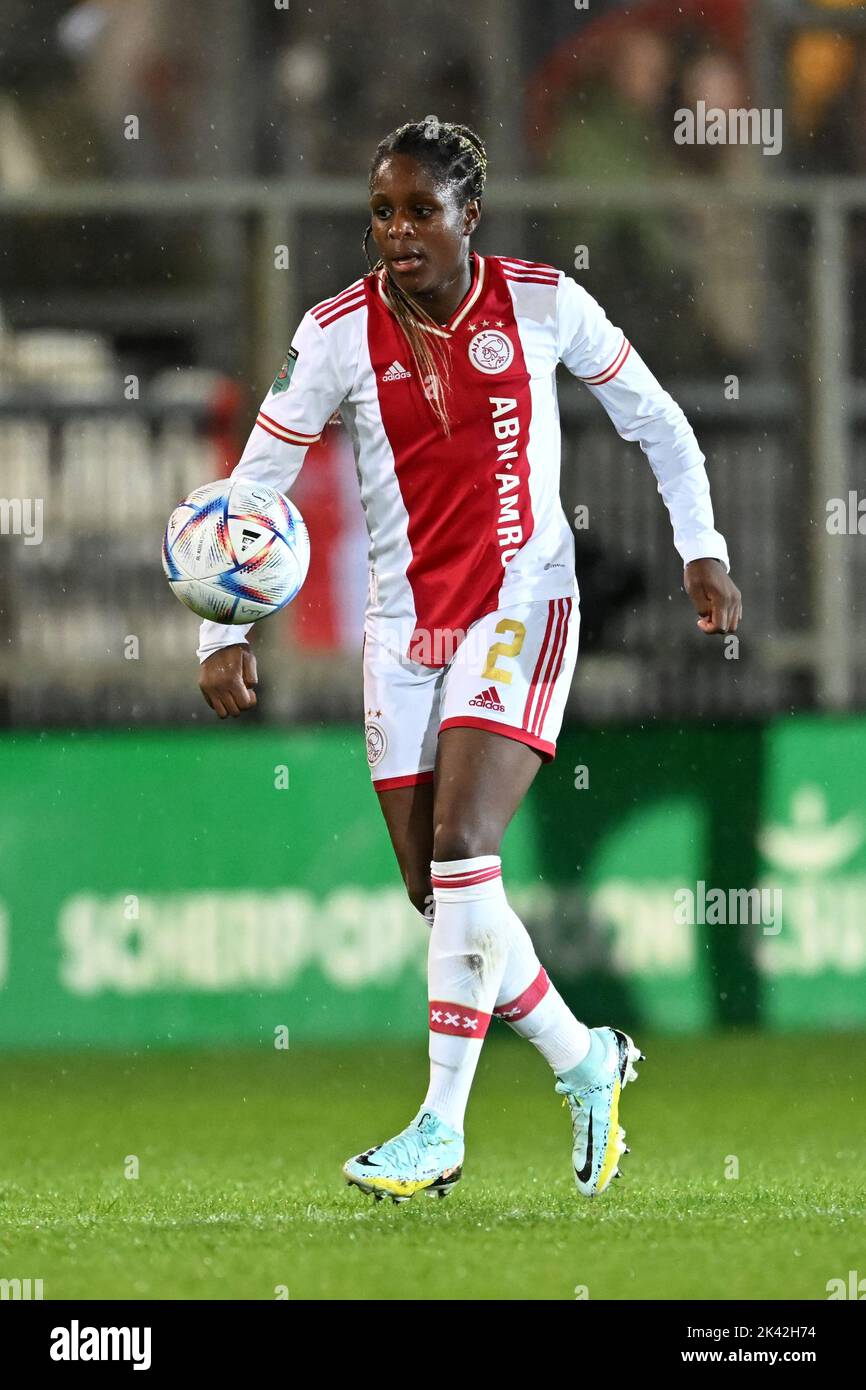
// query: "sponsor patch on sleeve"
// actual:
[[284, 375]]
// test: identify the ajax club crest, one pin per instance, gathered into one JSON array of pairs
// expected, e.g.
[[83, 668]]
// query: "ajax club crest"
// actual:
[[377, 742], [490, 351]]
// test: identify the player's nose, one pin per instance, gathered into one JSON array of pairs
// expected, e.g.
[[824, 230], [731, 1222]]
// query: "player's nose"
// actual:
[[401, 226]]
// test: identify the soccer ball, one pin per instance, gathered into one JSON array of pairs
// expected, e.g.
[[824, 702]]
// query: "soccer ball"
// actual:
[[236, 551]]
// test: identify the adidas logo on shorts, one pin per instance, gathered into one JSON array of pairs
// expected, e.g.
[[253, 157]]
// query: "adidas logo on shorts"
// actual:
[[396, 372], [488, 699]]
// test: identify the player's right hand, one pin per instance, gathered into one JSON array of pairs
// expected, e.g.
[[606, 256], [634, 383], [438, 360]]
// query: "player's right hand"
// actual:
[[227, 678]]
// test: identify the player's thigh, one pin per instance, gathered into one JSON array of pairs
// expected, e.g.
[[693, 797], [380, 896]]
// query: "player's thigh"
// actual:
[[503, 700], [481, 779], [401, 702]]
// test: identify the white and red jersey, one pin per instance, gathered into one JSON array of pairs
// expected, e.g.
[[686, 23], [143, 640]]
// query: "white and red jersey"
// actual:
[[463, 524]]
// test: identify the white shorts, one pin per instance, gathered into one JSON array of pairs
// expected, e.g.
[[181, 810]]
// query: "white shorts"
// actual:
[[510, 674]]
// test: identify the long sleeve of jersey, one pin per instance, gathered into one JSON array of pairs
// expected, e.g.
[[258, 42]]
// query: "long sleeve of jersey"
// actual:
[[291, 418], [598, 354]]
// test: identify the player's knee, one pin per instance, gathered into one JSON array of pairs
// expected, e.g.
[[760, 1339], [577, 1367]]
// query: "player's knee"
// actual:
[[456, 841]]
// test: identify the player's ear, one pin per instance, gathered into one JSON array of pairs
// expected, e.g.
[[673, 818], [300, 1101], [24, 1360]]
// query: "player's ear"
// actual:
[[471, 216]]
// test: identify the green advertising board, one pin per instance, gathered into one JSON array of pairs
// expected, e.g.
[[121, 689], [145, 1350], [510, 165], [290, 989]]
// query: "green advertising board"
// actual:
[[812, 844], [168, 888]]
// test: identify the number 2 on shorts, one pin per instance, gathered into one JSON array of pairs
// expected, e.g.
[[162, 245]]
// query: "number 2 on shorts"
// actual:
[[491, 671]]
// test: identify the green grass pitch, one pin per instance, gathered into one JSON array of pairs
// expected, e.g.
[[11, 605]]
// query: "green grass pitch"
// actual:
[[239, 1189]]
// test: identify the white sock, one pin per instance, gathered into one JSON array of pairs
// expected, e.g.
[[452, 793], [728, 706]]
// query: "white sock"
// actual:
[[531, 1005], [465, 960]]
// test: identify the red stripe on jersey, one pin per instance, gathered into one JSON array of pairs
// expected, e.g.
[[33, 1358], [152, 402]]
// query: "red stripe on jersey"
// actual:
[[288, 436], [542, 670], [325, 306], [601, 377], [348, 308], [466, 496], [530, 279], [552, 650], [298, 435], [547, 272], [460, 1020], [468, 879], [471, 721], [551, 609], [525, 1002], [514, 263], [412, 779], [557, 667]]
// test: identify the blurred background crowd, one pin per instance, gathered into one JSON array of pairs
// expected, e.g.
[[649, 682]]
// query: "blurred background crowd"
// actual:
[[153, 154]]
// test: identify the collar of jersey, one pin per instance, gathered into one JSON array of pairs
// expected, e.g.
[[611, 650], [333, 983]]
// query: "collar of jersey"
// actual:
[[470, 299]]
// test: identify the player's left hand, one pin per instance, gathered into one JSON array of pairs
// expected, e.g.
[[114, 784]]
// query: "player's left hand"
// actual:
[[714, 594]]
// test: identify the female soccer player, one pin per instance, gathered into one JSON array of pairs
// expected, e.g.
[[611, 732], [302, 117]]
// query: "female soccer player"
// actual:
[[442, 363]]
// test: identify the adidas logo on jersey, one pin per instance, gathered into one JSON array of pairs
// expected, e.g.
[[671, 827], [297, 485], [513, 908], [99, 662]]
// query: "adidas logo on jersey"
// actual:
[[488, 699], [396, 372]]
